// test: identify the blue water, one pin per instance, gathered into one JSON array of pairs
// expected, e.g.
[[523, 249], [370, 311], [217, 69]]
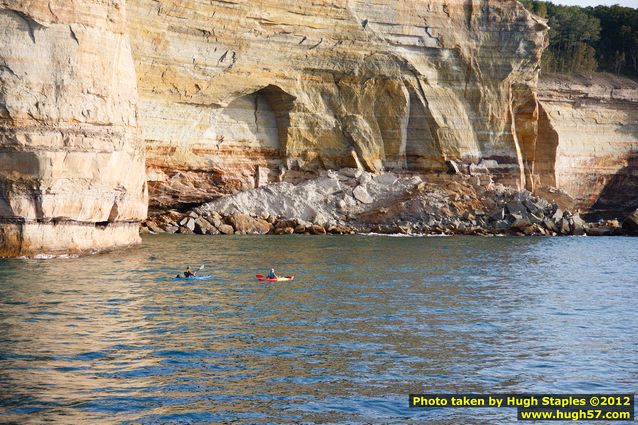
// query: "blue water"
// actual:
[[114, 338]]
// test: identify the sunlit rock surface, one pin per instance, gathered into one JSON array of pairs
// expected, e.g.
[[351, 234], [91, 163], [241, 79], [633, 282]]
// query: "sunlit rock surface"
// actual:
[[223, 96], [71, 160], [226, 86]]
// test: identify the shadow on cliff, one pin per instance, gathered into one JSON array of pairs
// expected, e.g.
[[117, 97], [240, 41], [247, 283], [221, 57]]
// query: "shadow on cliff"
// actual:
[[619, 196], [19, 179]]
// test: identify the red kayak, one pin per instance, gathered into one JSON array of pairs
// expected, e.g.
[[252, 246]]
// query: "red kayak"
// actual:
[[279, 279]]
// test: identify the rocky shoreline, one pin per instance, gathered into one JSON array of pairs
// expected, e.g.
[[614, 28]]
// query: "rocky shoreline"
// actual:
[[351, 201]]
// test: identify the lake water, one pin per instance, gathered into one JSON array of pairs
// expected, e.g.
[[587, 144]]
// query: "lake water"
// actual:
[[114, 339]]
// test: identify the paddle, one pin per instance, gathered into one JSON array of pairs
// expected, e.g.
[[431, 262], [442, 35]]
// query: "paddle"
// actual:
[[201, 267]]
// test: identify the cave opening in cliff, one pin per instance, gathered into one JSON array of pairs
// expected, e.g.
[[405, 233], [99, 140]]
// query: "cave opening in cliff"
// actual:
[[255, 126], [281, 103], [421, 150], [390, 98], [546, 150]]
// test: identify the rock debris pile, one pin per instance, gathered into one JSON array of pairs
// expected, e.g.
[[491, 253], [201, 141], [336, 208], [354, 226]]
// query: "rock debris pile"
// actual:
[[353, 201]]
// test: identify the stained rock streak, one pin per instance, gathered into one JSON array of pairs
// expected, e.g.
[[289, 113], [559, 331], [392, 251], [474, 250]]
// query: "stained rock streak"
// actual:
[[200, 99], [387, 85]]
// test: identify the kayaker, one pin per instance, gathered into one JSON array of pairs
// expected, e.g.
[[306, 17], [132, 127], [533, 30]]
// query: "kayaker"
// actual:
[[188, 273], [272, 274]]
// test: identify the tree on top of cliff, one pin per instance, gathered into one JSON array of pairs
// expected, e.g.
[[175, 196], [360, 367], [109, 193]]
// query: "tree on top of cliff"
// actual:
[[618, 45], [602, 38], [539, 8]]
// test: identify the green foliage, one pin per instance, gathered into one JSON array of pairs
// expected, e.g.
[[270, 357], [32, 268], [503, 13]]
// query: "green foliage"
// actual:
[[571, 36], [602, 38], [538, 8], [618, 46]]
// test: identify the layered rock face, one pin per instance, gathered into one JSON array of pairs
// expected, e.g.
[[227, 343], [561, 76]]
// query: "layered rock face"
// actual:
[[71, 160], [226, 95], [588, 141], [227, 87]]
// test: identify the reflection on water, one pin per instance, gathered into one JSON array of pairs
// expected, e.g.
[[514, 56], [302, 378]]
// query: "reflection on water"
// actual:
[[368, 320]]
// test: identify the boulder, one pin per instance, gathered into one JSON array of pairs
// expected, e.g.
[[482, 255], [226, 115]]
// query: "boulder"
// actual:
[[516, 216], [339, 230], [327, 185], [557, 216], [630, 224], [517, 207], [613, 224], [226, 229], [185, 230], [152, 226], [361, 194], [329, 173], [564, 226], [532, 206], [189, 223], [353, 173], [521, 224], [498, 214], [386, 179], [321, 219], [173, 215], [501, 225], [245, 224], [550, 225], [599, 231], [203, 227], [365, 178], [171, 229], [536, 219], [318, 230], [215, 219], [282, 224], [578, 225], [404, 230], [284, 231]]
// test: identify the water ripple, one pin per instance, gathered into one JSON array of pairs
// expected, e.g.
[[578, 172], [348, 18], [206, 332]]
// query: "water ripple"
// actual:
[[367, 321]]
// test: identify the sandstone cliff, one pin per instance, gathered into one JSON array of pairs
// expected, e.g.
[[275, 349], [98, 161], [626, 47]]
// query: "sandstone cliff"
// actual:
[[228, 86], [71, 160], [227, 95], [588, 144]]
